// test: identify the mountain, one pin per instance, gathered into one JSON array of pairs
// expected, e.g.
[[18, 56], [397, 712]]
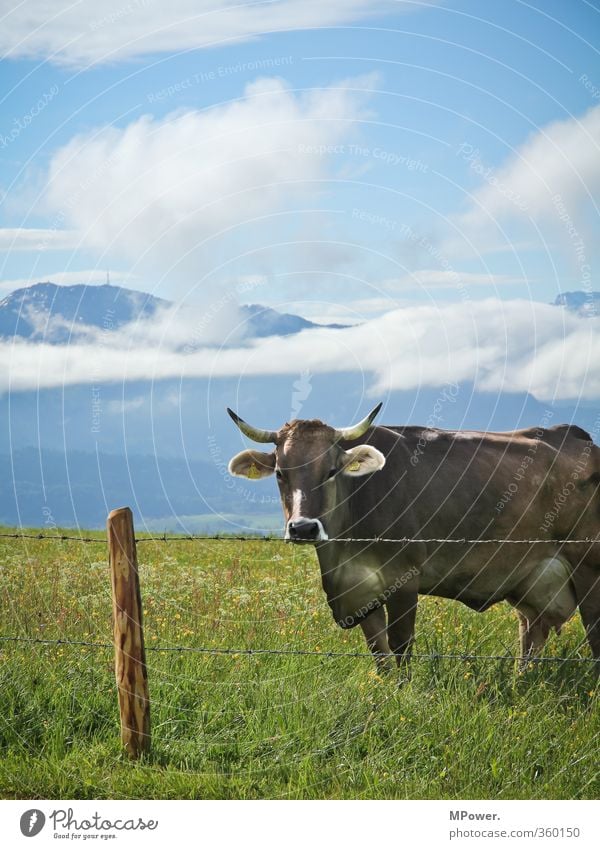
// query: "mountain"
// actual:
[[163, 448], [70, 454], [28, 312], [264, 321], [585, 304], [49, 489], [56, 314]]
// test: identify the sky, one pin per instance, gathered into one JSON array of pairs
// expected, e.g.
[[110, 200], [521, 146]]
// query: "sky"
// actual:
[[430, 171]]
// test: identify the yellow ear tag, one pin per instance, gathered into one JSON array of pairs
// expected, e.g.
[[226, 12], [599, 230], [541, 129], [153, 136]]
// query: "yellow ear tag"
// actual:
[[253, 471], [354, 466]]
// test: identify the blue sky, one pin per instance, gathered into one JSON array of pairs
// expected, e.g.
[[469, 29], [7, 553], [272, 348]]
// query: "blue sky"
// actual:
[[339, 160], [436, 95]]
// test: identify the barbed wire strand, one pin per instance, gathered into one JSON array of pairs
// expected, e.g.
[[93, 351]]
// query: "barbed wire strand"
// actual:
[[399, 540], [298, 652], [55, 537]]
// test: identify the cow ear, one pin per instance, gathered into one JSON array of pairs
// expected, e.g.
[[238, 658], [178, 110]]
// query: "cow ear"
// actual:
[[362, 460], [252, 464]]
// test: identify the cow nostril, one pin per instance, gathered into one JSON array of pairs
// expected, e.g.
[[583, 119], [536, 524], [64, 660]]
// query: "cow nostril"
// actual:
[[303, 529]]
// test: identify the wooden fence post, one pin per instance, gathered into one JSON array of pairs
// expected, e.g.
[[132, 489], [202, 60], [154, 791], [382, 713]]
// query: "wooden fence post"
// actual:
[[130, 654]]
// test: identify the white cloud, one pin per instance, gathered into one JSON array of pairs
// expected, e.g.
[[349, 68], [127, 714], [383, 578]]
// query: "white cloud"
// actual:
[[157, 190], [127, 405], [32, 239], [499, 346], [172, 327], [334, 312], [181, 327], [562, 159], [86, 32], [447, 279]]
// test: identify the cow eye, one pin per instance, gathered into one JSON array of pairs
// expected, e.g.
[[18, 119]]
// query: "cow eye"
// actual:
[[279, 474], [331, 474]]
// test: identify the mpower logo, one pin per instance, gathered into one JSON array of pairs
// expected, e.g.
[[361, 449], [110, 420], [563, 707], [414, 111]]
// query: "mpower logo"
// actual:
[[32, 822]]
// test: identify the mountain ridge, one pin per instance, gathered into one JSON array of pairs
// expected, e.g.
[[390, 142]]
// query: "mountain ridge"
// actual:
[[585, 304], [52, 313]]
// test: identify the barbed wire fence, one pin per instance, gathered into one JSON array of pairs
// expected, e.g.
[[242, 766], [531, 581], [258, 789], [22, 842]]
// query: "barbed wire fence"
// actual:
[[244, 652], [130, 663], [165, 538], [292, 652]]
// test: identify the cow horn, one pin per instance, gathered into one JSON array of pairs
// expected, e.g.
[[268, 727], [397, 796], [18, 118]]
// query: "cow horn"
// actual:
[[253, 432], [358, 430]]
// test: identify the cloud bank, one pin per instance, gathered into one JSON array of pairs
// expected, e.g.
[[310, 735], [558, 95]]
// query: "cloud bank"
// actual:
[[158, 189], [499, 346], [36, 239], [562, 158], [556, 169], [84, 33]]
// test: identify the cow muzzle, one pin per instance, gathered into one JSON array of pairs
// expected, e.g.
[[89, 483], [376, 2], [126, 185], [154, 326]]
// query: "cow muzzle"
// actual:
[[305, 530]]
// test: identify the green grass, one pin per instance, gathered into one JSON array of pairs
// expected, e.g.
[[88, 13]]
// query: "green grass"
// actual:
[[273, 727]]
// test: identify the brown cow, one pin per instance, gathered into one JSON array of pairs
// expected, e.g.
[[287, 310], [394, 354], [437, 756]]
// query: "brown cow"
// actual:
[[345, 490]]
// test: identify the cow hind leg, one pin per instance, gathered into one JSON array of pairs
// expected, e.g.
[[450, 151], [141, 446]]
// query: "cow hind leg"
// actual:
[[374, 628], [523, 640], [546, 599], [586, 579], [533, 633]]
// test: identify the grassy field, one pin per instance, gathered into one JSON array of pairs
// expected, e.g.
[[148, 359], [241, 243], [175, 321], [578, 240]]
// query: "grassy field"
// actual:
[[274, 727]]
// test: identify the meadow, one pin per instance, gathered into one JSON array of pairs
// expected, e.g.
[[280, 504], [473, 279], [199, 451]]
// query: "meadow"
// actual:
[[264, 726]]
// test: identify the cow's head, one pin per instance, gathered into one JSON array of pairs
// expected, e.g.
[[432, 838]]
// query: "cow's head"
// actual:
[[309, 463]]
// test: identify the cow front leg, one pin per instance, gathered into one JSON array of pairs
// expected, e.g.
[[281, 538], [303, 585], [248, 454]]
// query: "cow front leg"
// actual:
[[402, 611], [374, 628]]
